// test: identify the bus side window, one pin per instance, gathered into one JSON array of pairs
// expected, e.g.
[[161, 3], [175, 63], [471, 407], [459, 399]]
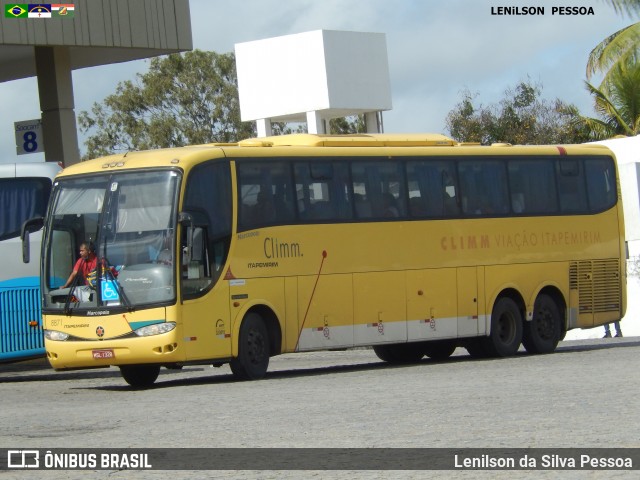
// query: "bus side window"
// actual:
[[517, 202], [363, 207], [601, 186], [382, 185], [20, 200], [321, 190], [484, 187], [432, 189], [265, 194], [533, 187], [571, 184]]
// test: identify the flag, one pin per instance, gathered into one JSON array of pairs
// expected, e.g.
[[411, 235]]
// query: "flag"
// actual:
[[62, 10], [39, 10], [16, 10]]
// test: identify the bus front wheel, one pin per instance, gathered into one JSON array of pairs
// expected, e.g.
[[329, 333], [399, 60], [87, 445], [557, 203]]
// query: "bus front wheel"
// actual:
[[440, 349], [140, 376], [506, 329], [253, 349], [543, 332], [475, 347]]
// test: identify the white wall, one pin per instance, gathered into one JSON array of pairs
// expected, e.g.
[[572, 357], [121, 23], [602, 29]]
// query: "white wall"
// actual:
[[627, 152], [333, 72]]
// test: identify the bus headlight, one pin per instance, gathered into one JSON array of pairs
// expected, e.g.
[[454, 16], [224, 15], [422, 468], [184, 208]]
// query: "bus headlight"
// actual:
[[155, 329], [55, 335]]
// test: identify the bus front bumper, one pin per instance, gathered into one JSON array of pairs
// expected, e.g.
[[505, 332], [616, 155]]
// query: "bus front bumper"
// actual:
[[157, 349]]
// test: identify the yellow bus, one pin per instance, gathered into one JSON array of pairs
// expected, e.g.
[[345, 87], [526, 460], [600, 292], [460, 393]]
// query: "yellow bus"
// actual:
[[411, 244]]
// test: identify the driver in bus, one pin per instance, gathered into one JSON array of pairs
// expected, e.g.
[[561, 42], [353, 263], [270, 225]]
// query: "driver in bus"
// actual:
[[85, 264]]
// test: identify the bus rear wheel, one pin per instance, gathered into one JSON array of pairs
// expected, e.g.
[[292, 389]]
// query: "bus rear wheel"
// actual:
[[506, 329], [399, 353], [543, 332], [253, 350], [140, 376]]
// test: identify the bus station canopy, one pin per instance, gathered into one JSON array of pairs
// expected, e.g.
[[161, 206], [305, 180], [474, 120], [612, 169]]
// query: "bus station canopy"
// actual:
[[92, 33], [98, 32]]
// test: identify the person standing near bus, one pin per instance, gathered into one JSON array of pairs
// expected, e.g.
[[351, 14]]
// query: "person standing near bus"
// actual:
[[607, 330], [85, 264]]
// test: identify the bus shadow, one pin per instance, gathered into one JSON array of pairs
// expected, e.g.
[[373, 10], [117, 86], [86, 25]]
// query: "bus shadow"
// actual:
[[226, 378], [602, 344], [51, 375], [182, 378]]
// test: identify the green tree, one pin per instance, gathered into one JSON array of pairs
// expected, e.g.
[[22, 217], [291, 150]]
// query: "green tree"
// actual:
[[617, 104], [521, 117], [337, 126], [347, 125], [183, 99], [622, 46]]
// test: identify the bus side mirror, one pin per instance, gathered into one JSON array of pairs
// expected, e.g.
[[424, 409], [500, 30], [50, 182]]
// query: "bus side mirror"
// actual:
[[31, 225]]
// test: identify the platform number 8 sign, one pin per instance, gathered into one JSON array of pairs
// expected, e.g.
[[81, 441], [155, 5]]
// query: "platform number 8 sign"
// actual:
[[29, 137]]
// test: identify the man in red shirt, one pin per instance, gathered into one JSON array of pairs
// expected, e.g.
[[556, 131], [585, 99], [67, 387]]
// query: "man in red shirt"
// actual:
[[84, 265]]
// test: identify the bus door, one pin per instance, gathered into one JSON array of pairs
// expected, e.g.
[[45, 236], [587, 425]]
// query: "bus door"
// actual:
[[204, 247], [467, 281], [205, 302]]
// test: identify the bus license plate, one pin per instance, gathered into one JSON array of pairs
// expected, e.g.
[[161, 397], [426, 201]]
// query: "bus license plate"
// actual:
[[103, 354]]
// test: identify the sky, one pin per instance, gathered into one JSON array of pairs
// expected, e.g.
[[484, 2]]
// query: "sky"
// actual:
[[436, 50]]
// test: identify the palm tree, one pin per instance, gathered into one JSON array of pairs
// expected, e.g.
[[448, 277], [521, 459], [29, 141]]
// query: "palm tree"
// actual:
[[617, 105], [622, 46]]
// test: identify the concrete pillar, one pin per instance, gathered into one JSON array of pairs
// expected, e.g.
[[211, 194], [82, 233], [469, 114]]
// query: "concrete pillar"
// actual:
[[55, 88], [315, 123], [264, 127], [372, 122]]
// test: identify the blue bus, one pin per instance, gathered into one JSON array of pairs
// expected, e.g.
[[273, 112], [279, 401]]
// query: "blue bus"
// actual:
[[24, 193]]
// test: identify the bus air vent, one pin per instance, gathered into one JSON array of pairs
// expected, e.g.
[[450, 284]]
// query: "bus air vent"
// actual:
[[598, 285]]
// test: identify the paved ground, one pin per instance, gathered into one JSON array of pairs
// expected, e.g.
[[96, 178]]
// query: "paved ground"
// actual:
[[585, 395]]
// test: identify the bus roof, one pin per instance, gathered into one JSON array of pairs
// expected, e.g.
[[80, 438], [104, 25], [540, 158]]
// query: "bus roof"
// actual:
[[298, 144], [29, 169], [356, 140]]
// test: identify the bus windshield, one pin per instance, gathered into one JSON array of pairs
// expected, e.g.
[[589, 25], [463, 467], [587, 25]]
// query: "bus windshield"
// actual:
[[125, 222]]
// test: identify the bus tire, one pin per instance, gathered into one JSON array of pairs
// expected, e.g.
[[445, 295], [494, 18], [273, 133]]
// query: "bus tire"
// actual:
[[439, 350], [475, 347], [399, 353], [384, 353], [506, 329], [253, 349], [140, 376], [543, 332]]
